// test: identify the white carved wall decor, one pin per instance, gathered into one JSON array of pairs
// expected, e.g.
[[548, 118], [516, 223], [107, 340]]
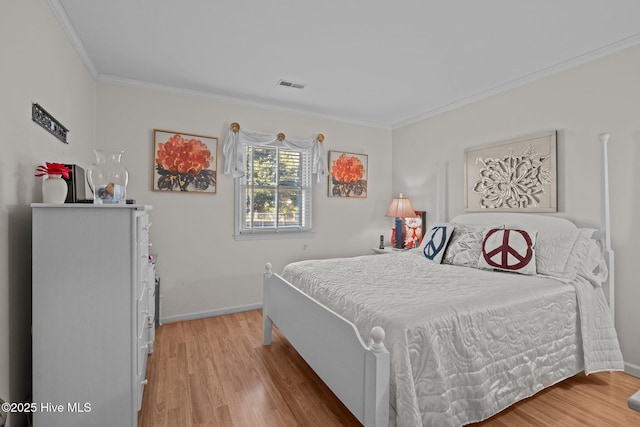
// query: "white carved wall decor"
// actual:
[[514, 175]]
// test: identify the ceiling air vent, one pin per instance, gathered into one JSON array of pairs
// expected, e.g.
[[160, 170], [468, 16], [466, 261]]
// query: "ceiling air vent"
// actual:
[[290, 84]]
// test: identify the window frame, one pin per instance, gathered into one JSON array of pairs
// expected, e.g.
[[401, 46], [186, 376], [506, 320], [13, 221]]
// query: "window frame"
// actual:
[[241, 232]]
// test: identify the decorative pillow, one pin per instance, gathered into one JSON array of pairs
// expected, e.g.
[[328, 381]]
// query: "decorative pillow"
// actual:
[[466, 244], [435, 242], [553, 252], [509, 249]]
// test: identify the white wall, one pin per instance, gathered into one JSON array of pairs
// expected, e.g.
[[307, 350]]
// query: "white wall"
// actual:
[[580, 103], [38, 65], [202, 268]]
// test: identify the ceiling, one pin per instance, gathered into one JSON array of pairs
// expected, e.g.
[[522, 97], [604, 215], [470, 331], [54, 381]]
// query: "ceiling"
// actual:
[[383, 63]]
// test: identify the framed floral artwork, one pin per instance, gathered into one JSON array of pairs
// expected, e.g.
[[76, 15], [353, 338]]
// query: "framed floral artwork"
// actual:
[[347, 174], [514, 175], [184, 162]]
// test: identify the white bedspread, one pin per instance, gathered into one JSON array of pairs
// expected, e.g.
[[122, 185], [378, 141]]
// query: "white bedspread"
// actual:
[[464, 343]]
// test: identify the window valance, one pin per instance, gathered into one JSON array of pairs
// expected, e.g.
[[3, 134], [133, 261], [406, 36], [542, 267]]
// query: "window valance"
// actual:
[[238, 140]]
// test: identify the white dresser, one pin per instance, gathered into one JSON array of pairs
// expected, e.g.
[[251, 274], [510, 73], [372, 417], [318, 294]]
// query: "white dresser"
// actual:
[[93, 313]]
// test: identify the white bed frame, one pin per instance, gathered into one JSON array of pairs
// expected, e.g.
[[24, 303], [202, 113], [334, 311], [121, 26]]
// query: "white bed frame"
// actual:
[[356, 372]]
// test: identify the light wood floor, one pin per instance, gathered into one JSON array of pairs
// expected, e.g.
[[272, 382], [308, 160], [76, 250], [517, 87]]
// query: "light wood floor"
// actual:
[[215, 372]]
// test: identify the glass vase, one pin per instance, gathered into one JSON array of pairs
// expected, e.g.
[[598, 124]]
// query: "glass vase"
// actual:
[[108, 178]]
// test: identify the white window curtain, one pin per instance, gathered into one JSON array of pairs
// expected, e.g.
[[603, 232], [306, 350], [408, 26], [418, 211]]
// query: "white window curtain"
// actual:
[[235, 150]]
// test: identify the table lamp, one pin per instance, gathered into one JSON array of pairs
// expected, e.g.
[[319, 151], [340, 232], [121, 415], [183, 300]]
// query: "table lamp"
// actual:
[[400, 208]]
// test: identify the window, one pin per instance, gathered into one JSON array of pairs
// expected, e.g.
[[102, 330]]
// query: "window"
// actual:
[[275, 193]]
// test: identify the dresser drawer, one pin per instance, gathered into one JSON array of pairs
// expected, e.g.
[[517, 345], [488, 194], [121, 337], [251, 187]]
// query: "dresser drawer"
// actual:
[[142, 227], [142, 314], [143, 281], [143, 352], [141, 379], [141, 361]]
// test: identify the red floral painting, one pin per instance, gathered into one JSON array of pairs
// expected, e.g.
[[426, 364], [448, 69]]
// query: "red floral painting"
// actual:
[[348, 174], [185, 162]]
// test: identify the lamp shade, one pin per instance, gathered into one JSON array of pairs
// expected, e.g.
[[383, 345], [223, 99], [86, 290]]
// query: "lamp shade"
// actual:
[[400, 207]]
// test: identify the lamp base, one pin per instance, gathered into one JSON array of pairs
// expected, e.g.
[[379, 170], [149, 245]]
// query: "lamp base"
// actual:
[[399, 236]]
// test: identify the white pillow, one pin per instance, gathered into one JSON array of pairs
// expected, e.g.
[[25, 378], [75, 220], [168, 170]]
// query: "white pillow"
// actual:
[[559, 255], [466, 244], [509, 249], [435, 242], [553, 252]]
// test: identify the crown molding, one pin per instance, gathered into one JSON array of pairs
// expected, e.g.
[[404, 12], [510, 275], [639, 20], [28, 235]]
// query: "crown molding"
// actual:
[[228, 98], [545, 72], [65, 23]]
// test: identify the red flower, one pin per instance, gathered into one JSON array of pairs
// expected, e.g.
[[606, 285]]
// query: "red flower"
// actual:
[[347, 169], [178, 155], [53, 169]]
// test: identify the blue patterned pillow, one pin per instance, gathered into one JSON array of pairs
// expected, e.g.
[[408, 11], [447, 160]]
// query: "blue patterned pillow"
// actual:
[[435, 242]]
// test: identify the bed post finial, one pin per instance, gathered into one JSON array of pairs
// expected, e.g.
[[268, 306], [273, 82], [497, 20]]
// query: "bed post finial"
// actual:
[[268, 269], [377, 336]]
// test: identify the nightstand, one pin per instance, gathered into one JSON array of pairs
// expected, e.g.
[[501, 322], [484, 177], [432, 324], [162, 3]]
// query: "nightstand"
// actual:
[[387, 250]]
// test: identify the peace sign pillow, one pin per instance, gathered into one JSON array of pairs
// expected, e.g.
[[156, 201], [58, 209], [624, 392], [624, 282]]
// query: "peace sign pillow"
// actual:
[[435, 242], [509, 249]]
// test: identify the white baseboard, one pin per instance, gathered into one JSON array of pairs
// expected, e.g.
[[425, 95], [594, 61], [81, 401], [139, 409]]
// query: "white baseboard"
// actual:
[[632, 369], [210, 313]]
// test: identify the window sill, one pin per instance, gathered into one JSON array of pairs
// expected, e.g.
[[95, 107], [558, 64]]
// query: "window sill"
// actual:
[[274, 235]]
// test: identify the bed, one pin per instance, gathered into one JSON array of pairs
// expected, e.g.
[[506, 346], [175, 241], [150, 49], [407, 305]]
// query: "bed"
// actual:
[[404, 340]]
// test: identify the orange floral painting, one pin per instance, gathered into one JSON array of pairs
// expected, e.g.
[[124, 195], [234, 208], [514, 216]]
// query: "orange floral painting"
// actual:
[[184, 162], [348, 174]]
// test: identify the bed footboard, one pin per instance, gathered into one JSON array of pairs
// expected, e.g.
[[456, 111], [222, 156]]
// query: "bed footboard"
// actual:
[[357, 373]]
